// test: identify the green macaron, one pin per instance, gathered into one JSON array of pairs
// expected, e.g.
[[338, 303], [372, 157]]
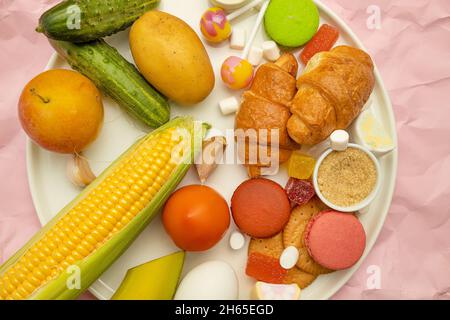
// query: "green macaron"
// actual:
[[291, 23]]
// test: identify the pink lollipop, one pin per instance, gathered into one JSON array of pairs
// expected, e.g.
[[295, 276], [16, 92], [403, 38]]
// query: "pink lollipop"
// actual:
[[237, 72], [215, 24]]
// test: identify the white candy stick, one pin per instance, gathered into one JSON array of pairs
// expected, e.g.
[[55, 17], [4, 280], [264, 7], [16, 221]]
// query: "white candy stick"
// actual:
[[255, 56], [259, 20], [243, 10]]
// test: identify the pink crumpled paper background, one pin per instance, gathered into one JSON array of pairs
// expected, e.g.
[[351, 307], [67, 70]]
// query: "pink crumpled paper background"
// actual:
[[412, 51]]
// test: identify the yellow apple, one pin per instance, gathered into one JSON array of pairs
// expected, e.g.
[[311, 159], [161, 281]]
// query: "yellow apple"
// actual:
[[61, 110]]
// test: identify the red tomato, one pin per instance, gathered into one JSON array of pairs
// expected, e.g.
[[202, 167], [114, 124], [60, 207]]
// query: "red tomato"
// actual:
[[196, 217]]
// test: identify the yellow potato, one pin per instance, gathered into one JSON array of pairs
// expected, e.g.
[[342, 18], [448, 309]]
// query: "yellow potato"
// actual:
[[172, 57]]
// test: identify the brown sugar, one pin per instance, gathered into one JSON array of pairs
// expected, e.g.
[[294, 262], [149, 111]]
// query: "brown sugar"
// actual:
[[348, 177]]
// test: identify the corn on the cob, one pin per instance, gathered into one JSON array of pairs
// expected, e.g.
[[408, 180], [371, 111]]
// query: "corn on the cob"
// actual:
[[95, 228]]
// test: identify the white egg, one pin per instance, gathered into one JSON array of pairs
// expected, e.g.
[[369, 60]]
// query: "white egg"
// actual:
[[212, 280]]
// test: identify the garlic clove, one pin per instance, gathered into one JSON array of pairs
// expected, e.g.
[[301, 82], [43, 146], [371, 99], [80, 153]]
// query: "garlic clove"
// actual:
[[212, 154], [78, 171]]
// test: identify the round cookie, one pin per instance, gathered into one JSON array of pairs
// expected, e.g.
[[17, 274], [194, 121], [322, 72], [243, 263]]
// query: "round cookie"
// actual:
[[291, 23], [335, 240], [273, 247], [299, 277], [293, 235]]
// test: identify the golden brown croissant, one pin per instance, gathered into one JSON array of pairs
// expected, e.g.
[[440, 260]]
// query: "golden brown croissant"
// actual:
[[266, 106], [331, 93]]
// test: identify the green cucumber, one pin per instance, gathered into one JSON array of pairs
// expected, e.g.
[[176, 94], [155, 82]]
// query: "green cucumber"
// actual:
[[87, 20], [118, 78]]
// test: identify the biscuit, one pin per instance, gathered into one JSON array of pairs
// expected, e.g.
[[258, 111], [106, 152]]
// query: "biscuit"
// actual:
[[273, 247], [300, 277], [293, 235]]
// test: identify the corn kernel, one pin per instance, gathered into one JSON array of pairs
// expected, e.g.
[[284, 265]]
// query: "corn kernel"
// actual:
[[85, 248], [13, 280], [39, 275], [22, 292], [17, 296], [8, 286], [33, 282], [65, 264], [90, 224], [3, 293], [28, 287], [92, 239], [102, 231], [64, 250], [77, 256], [84, 229], [44, 269], [96, 217]]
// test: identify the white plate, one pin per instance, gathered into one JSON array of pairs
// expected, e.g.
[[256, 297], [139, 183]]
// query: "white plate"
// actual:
[[51, 190]]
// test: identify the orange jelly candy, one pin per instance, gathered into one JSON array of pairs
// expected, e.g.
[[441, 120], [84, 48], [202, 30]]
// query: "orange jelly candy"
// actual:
[[323, 40], [265, 268], [301, 166]]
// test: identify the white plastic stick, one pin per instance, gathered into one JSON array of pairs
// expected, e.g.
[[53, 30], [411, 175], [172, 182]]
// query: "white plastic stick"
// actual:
[[243, 10], [259, 20]]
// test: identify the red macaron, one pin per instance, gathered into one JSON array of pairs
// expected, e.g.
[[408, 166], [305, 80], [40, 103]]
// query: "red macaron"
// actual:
[[335, 240]]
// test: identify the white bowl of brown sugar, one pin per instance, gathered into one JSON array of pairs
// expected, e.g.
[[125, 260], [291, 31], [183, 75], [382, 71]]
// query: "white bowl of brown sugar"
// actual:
[[348, 180]]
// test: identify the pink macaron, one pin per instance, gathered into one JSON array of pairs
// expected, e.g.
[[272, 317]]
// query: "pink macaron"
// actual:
[[335, 240]]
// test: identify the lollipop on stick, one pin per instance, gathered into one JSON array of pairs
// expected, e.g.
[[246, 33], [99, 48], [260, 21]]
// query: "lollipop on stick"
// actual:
[[215, 24], [237, 72]]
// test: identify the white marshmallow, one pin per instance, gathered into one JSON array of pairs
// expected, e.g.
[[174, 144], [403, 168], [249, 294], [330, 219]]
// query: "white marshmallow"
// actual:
[[339, 140], [268, 291], [270, 50], [289, 257], [238, 39], [229, 105], [237, 240], [255, 56]]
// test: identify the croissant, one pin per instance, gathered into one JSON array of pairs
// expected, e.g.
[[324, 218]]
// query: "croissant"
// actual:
[[332, 91], [266, 106]]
